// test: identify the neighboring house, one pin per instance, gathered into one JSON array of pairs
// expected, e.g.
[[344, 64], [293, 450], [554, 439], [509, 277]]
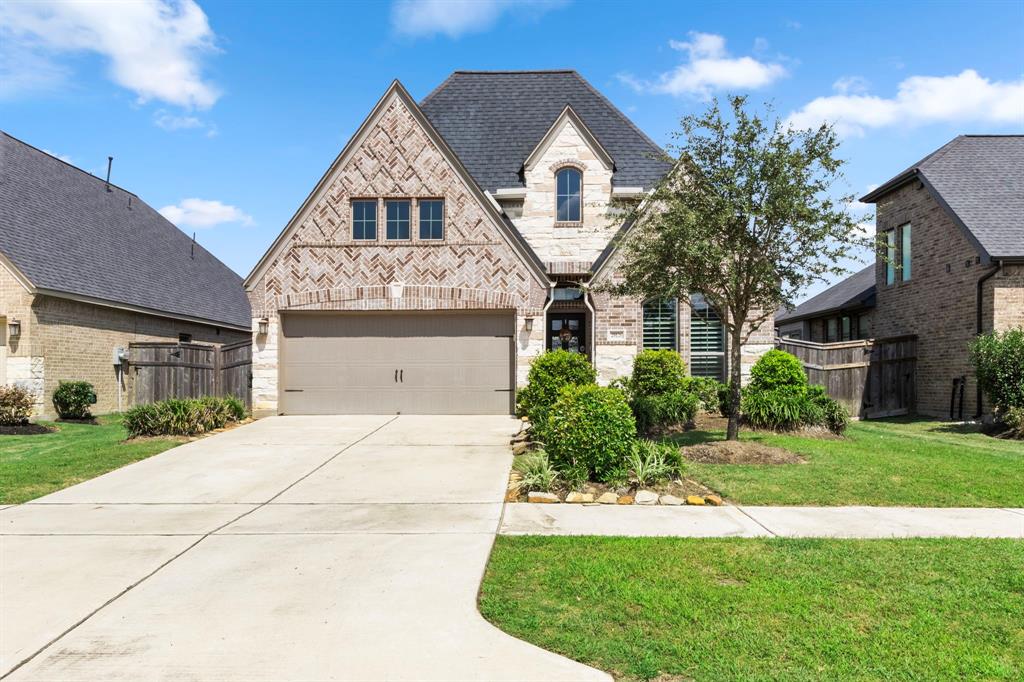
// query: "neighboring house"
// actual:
[[953, 224], [453, 241], [842, 312], [86, 268]]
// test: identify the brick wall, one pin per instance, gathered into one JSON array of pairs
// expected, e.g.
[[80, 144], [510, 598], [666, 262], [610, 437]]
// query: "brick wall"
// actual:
[[21, 361], [1008, 298]]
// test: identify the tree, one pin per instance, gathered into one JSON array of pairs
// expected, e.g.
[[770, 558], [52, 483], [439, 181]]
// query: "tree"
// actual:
[[745, 218]]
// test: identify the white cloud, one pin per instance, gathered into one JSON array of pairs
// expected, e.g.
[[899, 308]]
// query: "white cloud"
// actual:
[[708, 68], [455, 18], [962, 98], [203, 213], [174, 122], [849, 85], [154, 47], [63, 157]]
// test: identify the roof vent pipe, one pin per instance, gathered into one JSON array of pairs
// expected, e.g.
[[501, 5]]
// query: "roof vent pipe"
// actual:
[[110, 162]]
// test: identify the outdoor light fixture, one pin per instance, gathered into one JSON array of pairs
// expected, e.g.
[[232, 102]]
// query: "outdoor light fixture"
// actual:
[[14, 328], [264, 326], [528, 324]]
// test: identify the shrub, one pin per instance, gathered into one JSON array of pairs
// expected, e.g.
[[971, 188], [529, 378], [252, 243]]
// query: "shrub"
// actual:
[[536, 471], [590, 428], [778, 409], [651, 462], [182, 417], [654, 412], [998, 361], [707, 391], [777, 369], [549, 373], [656, 372], [15, 406], [724, 391], [72, 399], [833, 415], [1013, 419]]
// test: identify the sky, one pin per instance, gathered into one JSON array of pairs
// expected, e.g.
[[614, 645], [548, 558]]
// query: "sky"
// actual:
[[224, 115]]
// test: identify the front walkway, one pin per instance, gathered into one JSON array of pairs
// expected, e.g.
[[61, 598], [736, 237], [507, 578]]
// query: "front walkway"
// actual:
[[294, 548], [752, 522]]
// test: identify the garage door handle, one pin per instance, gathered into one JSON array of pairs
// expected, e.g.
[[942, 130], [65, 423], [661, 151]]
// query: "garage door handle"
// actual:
[[396, 376], [401, 376]]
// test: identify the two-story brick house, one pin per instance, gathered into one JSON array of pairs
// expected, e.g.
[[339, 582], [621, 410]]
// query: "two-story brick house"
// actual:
[[953, 227], [451, 242]]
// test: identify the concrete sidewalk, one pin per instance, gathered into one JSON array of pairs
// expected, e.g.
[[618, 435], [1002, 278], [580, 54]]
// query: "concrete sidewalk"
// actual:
[[753, 522]]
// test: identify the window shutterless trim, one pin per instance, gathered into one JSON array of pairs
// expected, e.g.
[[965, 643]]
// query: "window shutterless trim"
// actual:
[[398, 221], [442, 220], [569, 219], [363, 221]]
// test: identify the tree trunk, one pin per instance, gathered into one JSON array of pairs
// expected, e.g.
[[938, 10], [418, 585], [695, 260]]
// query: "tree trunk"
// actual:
[[735, 377]]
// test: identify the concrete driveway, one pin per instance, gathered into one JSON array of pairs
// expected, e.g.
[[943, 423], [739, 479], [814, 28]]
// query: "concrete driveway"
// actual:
[[294, 548]]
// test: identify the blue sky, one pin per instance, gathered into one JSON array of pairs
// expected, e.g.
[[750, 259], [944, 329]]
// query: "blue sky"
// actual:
[[225, 115]]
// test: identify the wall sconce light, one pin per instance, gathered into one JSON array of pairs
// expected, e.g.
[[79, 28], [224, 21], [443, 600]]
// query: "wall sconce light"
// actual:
[[14, 329], [528, 324], [264, 326]]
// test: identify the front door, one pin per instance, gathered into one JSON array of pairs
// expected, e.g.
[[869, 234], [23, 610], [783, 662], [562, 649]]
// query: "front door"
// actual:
[[567, 331]]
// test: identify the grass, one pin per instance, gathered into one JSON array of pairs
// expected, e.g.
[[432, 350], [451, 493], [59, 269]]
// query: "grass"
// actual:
[[878, 463], [775, 609], [33, 466]]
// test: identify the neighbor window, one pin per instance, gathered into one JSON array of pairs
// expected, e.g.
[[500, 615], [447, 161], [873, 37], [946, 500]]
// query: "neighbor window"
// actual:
[[905, 253], [432, 219], [567, 184], [863, 328], [364, 219], [660, 323], [707, 340], [890, 257], [397, 213], [832, 330], [184, 338]]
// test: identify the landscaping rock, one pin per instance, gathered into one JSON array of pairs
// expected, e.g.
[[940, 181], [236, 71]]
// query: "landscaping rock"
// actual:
[[625, 499], [714, 500], [512, 495], [520, 448], [670, 501], [646, 497], [690, 499], [608, 498], [579, 498], [591, 489], [525, 419], [542, 498]]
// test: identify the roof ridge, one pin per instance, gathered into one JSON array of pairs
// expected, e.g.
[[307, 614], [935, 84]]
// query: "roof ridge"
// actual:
[[483, 72], [66, 163]]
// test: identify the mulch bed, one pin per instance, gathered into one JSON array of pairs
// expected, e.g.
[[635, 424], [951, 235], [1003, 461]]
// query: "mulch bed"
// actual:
[[740, 452], [26, 430]]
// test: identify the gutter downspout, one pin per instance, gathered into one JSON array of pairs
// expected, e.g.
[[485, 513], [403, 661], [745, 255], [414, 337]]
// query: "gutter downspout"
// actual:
[[590, 327], [979, 296], [544, 313]]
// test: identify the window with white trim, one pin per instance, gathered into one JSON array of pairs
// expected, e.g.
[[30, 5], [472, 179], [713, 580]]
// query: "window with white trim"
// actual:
[[660, 323], [568, 195], [707, 340]]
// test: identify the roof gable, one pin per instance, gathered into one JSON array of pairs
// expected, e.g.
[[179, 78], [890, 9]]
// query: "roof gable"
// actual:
[[69, 233], [568, 117], [856, 291]]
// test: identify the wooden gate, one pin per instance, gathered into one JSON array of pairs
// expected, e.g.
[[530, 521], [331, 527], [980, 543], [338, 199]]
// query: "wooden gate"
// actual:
[[189, 370], [870, 378]]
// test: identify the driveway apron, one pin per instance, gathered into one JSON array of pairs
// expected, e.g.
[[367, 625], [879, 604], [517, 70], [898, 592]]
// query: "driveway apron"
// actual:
[[294, 548]]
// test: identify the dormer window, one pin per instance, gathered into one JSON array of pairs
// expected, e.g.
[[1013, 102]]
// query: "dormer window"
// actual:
[[568, 182]]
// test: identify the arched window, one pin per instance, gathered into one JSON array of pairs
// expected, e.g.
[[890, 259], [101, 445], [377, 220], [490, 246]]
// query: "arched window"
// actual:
[[660, 324], [568, 182]]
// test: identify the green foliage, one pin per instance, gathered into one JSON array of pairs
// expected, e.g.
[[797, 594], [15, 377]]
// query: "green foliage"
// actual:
[[549, 373], [998, 361], [536, 471], [833, 416], [777, 369], [707, 391], [1013, 419], [651, 462], [589, 428], [656, 372], [182, 417], [655, 412], [72, 399], [789, 408], [15, 406], [724, 396]]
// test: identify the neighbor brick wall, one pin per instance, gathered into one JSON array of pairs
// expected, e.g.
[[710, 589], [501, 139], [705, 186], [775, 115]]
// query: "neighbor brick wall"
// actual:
[[1008, 298]]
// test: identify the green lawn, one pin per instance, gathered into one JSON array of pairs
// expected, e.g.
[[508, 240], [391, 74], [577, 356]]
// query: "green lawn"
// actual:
[[901, 463], [32, 466], [777, 609]]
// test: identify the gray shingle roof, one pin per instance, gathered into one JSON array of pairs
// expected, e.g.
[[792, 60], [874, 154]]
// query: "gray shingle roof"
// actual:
[[856, 291], [980, 179], [494, 119], [65, 232]]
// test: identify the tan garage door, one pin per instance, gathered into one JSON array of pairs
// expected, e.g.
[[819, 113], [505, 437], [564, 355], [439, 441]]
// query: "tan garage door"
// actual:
[[387, 363]]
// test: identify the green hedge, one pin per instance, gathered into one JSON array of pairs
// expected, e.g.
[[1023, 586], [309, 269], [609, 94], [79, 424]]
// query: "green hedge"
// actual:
[[590, 431], [183, 417], [656, 372], [998, 361], [550, 373], [72, 399]]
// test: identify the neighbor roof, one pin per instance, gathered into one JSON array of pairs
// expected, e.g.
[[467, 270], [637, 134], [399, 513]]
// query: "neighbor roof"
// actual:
[[494, 119], [980, 180], [856, 291], [67, 234]]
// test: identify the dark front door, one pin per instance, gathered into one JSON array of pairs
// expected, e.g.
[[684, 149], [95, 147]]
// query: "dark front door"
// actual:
[[567, 331]]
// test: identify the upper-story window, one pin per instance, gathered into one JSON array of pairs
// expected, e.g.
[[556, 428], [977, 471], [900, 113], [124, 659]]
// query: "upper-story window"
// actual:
[[431, 218], [568, 182], [364, 219], [897, 254], [905, 252], [397, 213]]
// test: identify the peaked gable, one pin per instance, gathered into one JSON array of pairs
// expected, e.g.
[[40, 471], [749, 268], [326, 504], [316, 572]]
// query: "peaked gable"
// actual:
[[568, 117]]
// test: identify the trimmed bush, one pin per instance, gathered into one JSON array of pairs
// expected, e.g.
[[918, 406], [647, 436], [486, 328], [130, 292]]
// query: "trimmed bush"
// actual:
[[707, 391], [655, 412], [550, 373], [998, 361], [786, 409], [777, 369], [656, 372], [834, 416], [182, 417], [15, 406], [590, 428], [72, 399]]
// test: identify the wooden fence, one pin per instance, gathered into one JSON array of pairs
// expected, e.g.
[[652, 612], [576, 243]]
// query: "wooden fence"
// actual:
[[190, 370], [871, 378]]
